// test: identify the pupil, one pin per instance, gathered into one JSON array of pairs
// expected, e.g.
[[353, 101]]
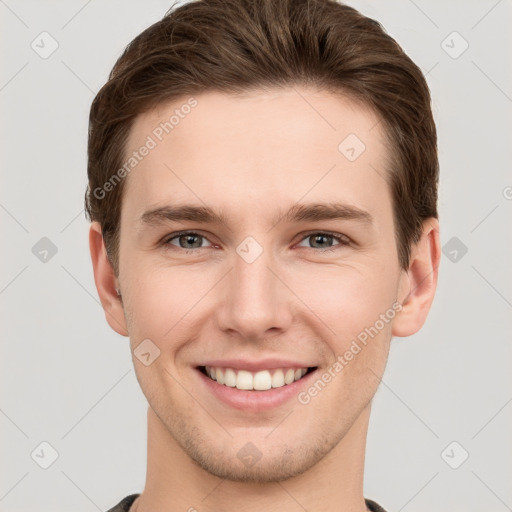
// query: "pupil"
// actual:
[[319, 237], [190, 239]]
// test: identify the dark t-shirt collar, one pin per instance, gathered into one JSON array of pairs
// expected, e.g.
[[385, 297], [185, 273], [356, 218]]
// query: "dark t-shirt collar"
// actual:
[[125, 504]]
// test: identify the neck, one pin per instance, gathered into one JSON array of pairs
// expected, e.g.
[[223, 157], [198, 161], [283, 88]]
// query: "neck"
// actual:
[[175, 482]]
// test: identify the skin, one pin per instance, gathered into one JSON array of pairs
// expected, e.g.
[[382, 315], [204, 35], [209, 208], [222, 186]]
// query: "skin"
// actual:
[[251, 156]]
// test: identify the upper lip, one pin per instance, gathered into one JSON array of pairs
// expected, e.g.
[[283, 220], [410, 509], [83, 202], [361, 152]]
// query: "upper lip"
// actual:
[[254, 366]]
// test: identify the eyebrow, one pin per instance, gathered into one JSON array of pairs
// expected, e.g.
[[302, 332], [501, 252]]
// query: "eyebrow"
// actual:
[[312, 212]]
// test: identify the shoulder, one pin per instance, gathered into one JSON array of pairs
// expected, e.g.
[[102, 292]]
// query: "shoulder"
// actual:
[[373, 506], [125, 504]]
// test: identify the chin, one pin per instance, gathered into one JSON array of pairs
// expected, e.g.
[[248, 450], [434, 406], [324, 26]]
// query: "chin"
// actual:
[[268, 469], [263, 460]]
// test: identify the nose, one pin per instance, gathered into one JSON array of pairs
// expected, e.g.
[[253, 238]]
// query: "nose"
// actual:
[[255, 299]]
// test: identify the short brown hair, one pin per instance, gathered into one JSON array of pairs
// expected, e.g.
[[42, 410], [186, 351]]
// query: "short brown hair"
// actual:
[[234, 46]]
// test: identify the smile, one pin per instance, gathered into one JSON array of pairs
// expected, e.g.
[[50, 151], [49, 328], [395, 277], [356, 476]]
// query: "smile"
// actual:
[[257, 381]]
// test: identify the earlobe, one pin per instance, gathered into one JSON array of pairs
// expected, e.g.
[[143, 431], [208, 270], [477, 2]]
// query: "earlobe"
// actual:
[[106, 281], [418, 285]]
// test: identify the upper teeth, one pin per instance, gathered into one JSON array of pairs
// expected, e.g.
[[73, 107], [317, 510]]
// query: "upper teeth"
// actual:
[[260, 381]]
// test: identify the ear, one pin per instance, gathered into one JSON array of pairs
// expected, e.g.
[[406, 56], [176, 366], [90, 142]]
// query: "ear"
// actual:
[[418, 284], [106, 281]]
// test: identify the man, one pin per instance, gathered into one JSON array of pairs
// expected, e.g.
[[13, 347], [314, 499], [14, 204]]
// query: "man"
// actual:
[[262, 189]]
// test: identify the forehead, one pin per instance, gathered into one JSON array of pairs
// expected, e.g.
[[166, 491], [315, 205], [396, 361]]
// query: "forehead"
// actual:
[[248, 152]]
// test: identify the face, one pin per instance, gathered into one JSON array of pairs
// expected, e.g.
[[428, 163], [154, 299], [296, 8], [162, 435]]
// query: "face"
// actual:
[[267, 285]]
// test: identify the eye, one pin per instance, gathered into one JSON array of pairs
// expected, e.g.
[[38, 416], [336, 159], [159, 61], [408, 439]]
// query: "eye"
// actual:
[[321, 238], [190, 241], [187, 240]]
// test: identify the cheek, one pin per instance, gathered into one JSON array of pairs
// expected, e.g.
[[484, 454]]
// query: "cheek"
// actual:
[[158, 299], [337, 300], [347, 298], [170, 304]]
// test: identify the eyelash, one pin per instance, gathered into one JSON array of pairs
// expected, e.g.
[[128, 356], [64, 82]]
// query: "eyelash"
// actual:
[[342, 239]]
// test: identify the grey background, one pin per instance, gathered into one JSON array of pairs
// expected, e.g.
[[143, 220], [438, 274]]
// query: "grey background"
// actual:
[[67, 378]]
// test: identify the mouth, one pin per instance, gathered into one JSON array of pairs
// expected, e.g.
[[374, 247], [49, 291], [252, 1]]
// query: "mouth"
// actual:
[[262, 380]]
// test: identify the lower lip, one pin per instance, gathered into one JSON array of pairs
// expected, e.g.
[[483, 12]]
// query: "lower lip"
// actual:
[[255, 401]]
